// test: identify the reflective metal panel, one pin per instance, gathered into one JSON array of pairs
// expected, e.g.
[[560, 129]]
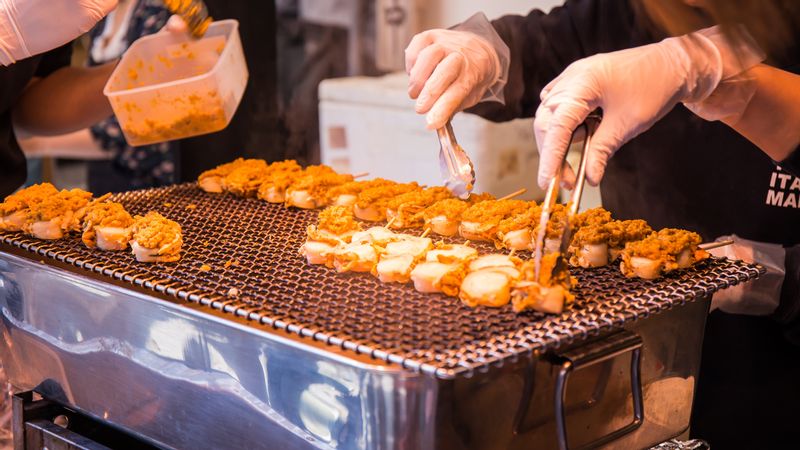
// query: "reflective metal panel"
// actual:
[[187, 378]]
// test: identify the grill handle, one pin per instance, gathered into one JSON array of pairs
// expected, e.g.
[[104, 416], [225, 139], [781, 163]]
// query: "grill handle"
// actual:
[[614, 345]]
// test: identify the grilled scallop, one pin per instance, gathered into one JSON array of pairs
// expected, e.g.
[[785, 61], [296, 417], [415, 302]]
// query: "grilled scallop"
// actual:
[[640, 267], [554, 230], [371, 203], [549, 300], [669, 249], [355, 257], [480, 222], [58, 214], [335, 227], [490, 280], [443, 226], [318, 252], [245, 179], [592, 217], [156, 238], [211, 180], [620, 232], [444, 217], [544, 294], [15, 210], [589, 247], [311, 192], [107, 226], [493, 260], [518, 239], [399, 257], [403, 210], [592, 255], [432, 277], [515, 232], [347, 193], [368, 213], [487, 287], [474, 231], [274, 186], [427, 276], [451, 253], [395, 268], [380, 236], [272, 194], [409, 245]]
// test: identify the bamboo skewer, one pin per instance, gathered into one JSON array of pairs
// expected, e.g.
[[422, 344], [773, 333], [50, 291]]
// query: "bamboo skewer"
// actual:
[[513, 194], [713, 245]]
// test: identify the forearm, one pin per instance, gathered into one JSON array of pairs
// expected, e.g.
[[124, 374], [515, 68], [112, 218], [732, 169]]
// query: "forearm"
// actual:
[[771, 119], [68, 100]]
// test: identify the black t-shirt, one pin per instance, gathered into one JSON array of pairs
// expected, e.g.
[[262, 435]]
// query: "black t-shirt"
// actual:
[[684, 172], [13, 80], [688, 173]]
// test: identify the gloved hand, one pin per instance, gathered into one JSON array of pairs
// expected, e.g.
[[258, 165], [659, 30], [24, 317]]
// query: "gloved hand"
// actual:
[[758, 297], [176, 25], [634, 88], [450, 70], [31, 27]]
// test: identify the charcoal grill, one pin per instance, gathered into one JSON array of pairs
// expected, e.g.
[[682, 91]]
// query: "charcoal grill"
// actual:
[[242, 342]]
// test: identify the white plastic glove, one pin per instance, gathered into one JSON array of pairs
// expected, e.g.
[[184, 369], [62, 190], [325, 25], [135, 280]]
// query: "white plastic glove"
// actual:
[[31, 27], [634, 88], [733, 93], [758, 297], [450, 70]]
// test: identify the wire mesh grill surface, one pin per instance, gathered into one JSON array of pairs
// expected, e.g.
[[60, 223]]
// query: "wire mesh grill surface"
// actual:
[[241, 256]]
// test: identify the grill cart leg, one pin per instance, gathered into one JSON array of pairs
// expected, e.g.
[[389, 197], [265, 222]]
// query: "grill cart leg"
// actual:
[[40, 423]]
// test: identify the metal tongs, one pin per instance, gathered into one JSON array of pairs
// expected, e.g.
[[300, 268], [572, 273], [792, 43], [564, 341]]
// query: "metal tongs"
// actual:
[[589, 126], [454, 164]]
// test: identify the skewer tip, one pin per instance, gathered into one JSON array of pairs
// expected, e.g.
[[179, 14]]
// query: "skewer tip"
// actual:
[[391, 222], [513, 194], [713, 245]]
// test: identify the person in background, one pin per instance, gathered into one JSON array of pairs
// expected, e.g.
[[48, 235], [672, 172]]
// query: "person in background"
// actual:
[[39, 93], [255, 130], [129, 167], [679, 171]]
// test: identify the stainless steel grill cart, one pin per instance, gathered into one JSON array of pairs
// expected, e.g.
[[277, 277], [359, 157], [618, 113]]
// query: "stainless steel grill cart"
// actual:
[[241, 344]]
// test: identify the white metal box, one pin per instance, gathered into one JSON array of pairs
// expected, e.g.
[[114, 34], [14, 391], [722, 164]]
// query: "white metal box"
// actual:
[[368, 124]]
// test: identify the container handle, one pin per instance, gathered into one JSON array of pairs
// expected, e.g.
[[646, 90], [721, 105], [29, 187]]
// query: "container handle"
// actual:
[[619, 343]]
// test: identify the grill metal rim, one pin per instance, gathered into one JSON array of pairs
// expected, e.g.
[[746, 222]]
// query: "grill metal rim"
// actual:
[[542, 334]]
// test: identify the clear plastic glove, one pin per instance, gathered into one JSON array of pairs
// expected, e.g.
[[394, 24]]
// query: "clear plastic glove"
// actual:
[[758, 297], [634, 88], [450, 70], [733, 93], [31, 27]]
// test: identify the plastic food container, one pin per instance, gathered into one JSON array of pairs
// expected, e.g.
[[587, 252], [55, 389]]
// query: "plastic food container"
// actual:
[[170, 86]]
